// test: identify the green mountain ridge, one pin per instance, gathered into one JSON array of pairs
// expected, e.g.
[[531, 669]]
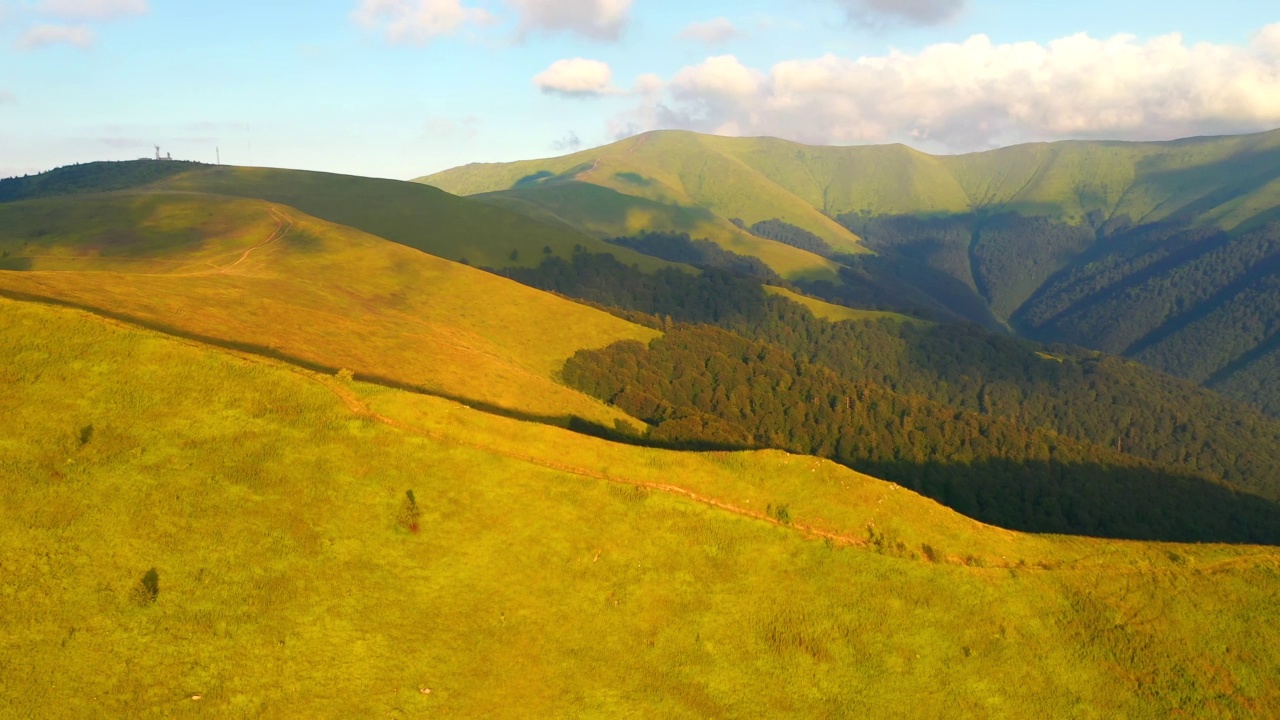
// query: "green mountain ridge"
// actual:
[[1158, 250]]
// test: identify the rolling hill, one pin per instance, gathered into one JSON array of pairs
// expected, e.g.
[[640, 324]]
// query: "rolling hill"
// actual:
[[189, 530], [1166, 252], [254, 275]]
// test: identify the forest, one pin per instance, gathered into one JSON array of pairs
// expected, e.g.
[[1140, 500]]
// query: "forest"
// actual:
[[1038, 437], [1188, 298]]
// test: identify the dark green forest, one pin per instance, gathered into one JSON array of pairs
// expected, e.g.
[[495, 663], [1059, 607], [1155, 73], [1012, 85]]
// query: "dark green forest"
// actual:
[[703, 385], [1087, 442], [1193, 300]]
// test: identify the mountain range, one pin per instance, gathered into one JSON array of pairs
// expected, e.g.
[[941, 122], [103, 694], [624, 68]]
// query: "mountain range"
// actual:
[[1163, 252]]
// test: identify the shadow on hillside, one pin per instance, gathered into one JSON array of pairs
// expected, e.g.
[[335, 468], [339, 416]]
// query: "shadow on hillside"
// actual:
[[1085, 499], [1095, 500]]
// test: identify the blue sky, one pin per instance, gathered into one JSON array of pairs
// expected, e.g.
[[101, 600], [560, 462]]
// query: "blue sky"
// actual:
[[400, 88]]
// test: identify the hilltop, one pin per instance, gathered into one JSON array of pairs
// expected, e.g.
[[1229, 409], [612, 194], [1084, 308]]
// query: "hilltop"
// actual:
[[256, 275]]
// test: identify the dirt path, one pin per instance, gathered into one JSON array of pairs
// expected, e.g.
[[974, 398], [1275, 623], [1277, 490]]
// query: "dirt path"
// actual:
[[283, 226]]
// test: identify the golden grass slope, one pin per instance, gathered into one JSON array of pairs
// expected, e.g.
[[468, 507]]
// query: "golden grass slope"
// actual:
[[553, 575], [248, 273]]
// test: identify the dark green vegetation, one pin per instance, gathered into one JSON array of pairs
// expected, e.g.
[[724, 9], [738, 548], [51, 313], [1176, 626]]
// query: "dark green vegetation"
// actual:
[[681, 248], [1163, 252], [91, 177], [708, 386], [1050, 439], [271, 464]]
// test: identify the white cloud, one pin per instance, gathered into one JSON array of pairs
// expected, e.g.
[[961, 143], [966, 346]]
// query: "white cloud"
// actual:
[[91, 9], [576, 78], [596, 19], [418, 21], [40, 36], [711, 32], [915, 12], [977, 94]]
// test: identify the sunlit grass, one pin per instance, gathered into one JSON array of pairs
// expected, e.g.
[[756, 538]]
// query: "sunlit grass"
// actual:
[[322, 293], [287, 588]]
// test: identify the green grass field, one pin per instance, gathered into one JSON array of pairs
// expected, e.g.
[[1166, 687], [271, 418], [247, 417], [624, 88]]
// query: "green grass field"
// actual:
[[552, 574], [246, 273]]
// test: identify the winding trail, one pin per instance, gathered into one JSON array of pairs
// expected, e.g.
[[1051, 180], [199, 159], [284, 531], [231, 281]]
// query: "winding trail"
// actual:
[[283, 226]]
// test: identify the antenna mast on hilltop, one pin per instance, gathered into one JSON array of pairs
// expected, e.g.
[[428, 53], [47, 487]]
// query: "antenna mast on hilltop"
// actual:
[[157, 152]]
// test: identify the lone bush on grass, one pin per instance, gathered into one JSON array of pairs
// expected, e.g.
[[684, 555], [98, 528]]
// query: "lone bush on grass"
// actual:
[[147, 590], [409, 513]]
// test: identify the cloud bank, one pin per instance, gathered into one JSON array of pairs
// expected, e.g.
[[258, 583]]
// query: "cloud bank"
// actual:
[[976, 94]]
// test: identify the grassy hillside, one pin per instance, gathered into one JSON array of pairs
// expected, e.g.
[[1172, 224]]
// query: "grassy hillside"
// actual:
[[406, 213], [551, 574], [606, 213], [247, 273]]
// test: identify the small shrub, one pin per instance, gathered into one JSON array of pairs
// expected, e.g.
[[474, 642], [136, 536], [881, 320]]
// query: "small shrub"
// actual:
[[147, 590], [409, 514], [546, 249], [346, 375], [86, 434], [782, 514], [514, 256], [929, 552]]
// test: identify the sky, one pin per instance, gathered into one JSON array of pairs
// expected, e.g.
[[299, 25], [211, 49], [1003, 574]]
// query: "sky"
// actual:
[[403, 88]]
